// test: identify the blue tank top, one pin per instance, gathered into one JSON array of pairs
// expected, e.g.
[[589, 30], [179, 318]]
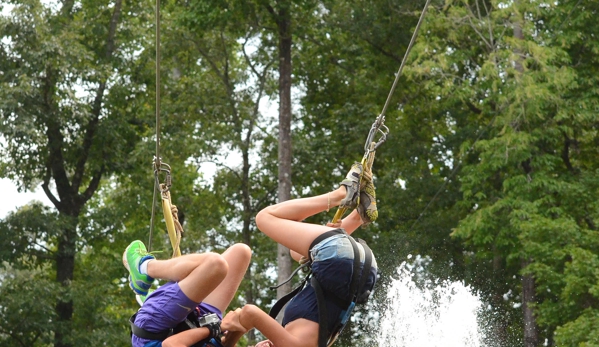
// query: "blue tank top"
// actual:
[[305, 305]]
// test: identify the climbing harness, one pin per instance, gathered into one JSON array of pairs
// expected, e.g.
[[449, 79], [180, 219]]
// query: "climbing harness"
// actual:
[[378, 127], [194, 320], [357, 295]]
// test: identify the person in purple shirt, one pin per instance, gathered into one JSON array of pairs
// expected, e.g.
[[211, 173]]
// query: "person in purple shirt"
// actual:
[[199, 284]]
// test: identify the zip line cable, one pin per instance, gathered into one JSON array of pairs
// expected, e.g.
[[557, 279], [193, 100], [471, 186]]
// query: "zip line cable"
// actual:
[[157, 163], [173, 226], [405, 58], [378, 127]]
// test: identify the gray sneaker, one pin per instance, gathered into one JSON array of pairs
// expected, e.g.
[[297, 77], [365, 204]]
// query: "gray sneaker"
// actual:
[[352, 185]]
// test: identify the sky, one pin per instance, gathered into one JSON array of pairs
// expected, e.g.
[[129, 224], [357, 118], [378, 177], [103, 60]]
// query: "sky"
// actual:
[[13, 199]]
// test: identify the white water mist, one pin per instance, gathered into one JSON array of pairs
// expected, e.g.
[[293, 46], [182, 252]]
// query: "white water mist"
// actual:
[[430, 314]]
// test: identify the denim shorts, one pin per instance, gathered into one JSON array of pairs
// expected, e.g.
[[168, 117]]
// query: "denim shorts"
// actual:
[[164, 308], [332, 265]]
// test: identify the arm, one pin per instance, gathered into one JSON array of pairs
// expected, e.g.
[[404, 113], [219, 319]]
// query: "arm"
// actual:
[[186, 338], [251, 316]]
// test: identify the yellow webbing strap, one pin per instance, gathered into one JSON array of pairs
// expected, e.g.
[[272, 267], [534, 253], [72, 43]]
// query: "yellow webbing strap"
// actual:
[[367, 162], [173, 226]]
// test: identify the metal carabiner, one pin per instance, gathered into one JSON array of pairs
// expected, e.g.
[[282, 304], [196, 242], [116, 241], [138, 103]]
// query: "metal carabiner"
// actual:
[[162, 167], [376, 128]]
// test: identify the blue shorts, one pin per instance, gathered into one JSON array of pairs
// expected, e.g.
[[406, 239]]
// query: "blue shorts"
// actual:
[[164, 308], [332, 266]]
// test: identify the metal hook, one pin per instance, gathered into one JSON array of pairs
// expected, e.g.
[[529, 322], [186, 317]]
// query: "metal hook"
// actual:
[[162, 167], [376, 128]]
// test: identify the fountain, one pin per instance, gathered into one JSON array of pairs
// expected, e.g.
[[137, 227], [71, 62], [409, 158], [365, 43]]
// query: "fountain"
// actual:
[[428, 313]]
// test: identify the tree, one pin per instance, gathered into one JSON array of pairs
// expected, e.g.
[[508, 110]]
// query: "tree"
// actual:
[[66, 123], [517, 180]]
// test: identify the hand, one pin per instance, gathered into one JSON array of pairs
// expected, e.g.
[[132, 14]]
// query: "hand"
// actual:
[[335, 225], [230, 338], [265, 343], [231, 322]]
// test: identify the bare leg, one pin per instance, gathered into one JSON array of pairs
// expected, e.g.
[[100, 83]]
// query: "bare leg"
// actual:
[[198, 274], [238, 258], [283, 222], [349, 224]]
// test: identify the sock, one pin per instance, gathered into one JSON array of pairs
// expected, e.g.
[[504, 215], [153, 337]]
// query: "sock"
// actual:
[[143, 267]]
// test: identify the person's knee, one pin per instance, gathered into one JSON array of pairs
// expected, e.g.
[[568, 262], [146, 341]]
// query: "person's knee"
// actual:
[[260, 219], [216, 265], [242, 250], [264, 217]]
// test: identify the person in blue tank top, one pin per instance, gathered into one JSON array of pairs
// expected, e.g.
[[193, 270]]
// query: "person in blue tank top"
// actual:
[[332, 256]]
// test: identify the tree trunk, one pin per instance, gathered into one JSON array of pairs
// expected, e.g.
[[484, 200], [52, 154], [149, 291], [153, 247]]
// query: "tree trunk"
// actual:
[[284, 26], [500, 328], [65, 267], [531, 332], [70, 201], [247, 217], [531, 335]]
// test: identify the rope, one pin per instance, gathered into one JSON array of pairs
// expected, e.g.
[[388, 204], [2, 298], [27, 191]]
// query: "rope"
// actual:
[[405, 58], [157, 163], [378, 125], [171, 218], [157, 84]]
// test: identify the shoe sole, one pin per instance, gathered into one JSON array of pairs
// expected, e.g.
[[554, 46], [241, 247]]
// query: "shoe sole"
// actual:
[[135, 290], [125, 263]]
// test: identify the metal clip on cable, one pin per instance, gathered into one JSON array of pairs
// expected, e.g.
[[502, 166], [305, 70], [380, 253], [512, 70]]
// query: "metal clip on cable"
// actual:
[[377, 127], [165, 168]]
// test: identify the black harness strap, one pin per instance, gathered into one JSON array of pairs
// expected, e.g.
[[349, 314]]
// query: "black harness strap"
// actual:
[[276, 308], [144, 334], [323, 330], [363, 297], [357, 283], [355, 279], [187, 324]]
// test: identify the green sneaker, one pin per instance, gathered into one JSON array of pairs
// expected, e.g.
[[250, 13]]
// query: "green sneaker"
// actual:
[[352, 185], [367, 206], [135, 254]]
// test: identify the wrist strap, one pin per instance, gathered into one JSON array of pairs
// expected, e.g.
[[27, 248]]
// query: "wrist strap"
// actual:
[[214, 329]]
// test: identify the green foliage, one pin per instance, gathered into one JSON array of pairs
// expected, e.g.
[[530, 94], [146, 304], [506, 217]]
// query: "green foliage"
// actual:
[[489, 169], [528, 183], [26, 306]]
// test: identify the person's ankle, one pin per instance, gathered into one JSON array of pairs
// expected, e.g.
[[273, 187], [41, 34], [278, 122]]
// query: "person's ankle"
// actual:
[[338, 194]]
